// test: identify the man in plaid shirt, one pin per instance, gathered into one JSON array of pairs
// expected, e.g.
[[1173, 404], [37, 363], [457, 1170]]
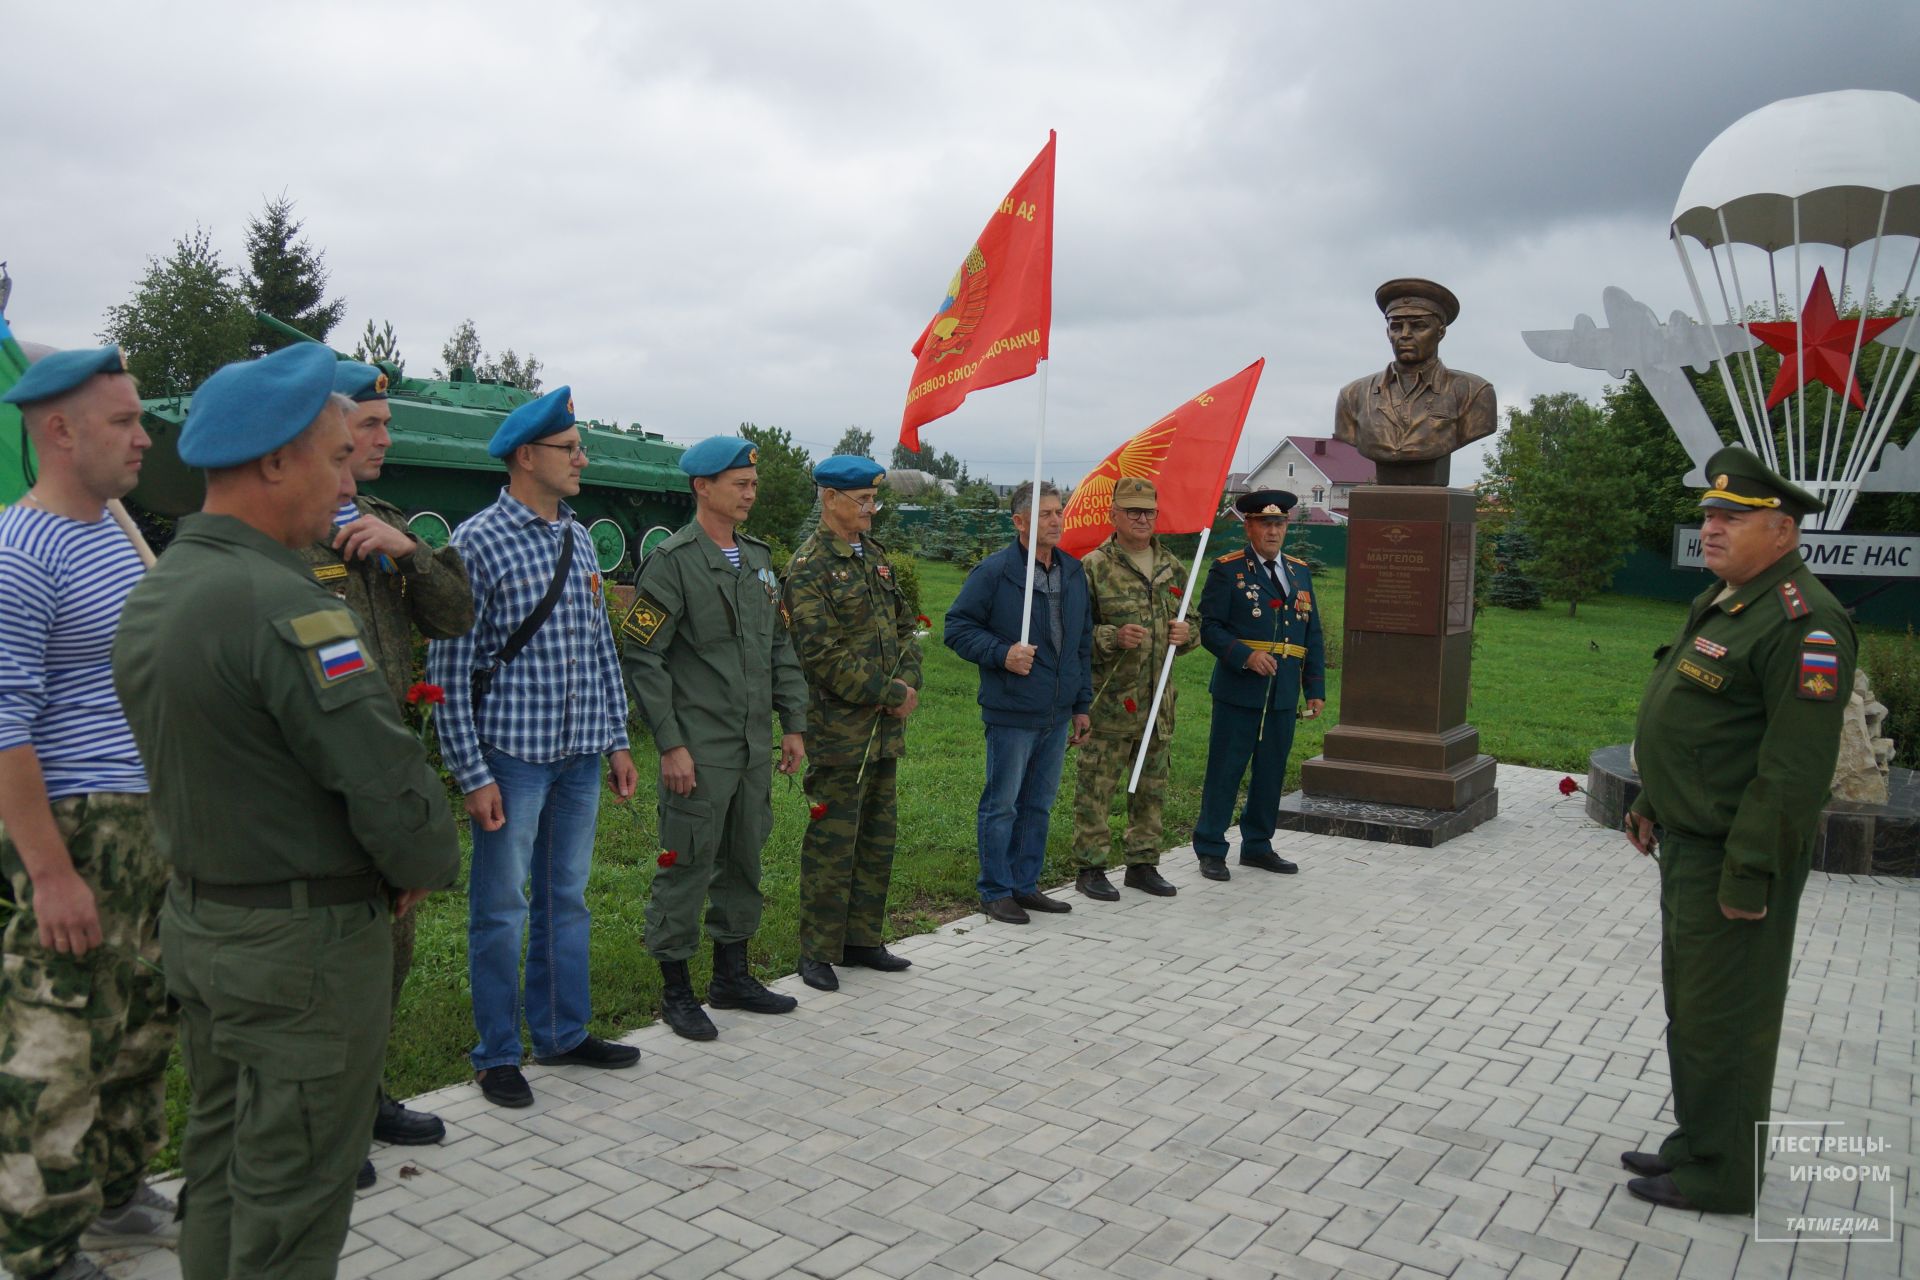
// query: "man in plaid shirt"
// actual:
[[528, 756]]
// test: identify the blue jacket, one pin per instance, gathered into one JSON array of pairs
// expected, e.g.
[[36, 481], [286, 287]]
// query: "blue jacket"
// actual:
[[1236, 607], [984, 623]]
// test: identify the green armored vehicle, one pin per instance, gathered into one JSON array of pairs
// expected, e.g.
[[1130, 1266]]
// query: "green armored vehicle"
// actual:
[[632, 494]]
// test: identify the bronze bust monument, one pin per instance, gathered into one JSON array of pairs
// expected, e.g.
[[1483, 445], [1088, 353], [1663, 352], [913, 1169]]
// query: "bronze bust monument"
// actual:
[[1410, 418]]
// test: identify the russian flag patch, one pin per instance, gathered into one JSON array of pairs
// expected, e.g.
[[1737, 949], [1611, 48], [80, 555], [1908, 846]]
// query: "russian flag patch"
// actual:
[[340, 660], [1821, 638], [1819, 676]]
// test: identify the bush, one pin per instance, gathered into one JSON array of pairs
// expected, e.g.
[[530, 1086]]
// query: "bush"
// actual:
[[1892, 664], [906, 576]]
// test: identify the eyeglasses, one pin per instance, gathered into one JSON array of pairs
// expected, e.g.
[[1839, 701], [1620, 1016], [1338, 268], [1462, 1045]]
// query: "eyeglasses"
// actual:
[[868, 505], [574, 450], [1138, 513]]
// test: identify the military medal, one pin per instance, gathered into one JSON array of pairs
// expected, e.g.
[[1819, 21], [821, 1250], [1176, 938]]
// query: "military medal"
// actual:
[[1256, 611], [1709, 648], [885, 571]]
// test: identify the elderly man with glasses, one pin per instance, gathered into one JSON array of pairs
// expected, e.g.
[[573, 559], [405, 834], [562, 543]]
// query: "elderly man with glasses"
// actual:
[[853, 631], [1134, 585]]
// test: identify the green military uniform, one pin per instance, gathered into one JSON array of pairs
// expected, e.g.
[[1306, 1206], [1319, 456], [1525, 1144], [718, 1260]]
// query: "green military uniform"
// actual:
[[86, 1038], [708, 662], [428, 590], [853, 631], [1737, 737], [290, 801], [1123, 684]]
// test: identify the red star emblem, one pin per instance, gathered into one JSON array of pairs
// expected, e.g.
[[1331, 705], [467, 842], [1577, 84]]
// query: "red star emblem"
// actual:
[[1826, 348]]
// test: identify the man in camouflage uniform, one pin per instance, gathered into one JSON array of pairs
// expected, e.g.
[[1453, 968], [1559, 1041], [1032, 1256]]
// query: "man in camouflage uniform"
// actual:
[[854, 634], [84, 1027], [393, 582], [1134, 584], [708, 663]]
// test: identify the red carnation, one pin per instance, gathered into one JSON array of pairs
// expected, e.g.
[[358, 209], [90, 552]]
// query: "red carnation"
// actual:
[[1271, 604], [1175, 590], [923, 619], [818, 812], [421, 691], [1568, 786], [667, 857], [1130, 705]]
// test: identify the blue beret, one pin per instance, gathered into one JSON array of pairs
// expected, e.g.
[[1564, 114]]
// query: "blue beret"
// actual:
[[56, 374], [249, 409], [359, 382], [551, 414], [848, 471], [719, 453]]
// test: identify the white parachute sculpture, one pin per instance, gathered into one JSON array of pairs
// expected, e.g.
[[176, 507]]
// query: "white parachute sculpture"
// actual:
[[1774, 220]]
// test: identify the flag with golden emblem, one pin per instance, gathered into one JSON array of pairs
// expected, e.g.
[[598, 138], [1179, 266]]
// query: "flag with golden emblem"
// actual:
[[993, 324], [1186, 454]]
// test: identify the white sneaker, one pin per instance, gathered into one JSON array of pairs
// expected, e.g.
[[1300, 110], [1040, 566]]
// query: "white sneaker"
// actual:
[[147, 1219]]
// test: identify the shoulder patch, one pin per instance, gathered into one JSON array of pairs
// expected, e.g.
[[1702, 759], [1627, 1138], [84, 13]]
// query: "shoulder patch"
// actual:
[[1792, 601], [1229, 558], [1819, 679], [1824, 638], [310, 630], [333, 654], [643, 621]]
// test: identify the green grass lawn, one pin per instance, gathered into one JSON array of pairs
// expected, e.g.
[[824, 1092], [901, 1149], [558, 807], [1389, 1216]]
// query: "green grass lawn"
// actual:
[[1547, 690]]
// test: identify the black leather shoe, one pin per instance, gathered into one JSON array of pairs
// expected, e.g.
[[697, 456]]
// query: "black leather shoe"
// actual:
[[1148, 879], [404, 1127], [1268, 862], [679, 1007], [1214, 868], [366, 1177], [1644, 1163], [1006, 911], [735, 987], [1660, 1191], [819, 975], [875, 958], [1041, 902], [1094, 884], [505, 1087], [595, 1052]]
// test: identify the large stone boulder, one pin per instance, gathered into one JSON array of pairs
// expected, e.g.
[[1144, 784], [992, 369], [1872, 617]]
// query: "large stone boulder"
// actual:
[[1865, 754]]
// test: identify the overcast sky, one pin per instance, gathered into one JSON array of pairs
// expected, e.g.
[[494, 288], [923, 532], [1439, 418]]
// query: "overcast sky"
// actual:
[[705, 214]]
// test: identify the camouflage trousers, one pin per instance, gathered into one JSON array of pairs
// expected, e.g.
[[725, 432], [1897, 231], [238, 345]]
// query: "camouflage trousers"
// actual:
[[846, 859], [83, 1042], [1106, 762]]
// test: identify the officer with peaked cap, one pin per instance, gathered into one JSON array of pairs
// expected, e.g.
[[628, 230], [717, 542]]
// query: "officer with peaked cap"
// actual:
[[1738, 734], [1261, 623], [708, 663], [395, 584], [298, 814], [1418, 410], [854, 633]]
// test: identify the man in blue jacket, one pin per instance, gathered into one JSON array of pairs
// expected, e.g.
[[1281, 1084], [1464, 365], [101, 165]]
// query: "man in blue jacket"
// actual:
[[1028, 695], [1261, 623]]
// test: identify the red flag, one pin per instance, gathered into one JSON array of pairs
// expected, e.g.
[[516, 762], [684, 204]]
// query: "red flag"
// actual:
[[1186, 454], [993, 325]]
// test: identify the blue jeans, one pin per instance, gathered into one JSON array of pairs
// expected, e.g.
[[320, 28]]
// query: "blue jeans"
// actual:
[[1023, 773], [548, 839]]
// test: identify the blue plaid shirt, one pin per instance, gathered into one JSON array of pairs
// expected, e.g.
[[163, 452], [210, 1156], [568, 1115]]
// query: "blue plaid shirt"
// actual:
[[562, 696]]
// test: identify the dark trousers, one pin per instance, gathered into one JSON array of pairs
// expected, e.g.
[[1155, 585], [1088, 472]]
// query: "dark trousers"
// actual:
[[1234, 740], [1726, 989]]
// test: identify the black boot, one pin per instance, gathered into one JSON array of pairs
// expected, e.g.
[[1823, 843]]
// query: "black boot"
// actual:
[[679, 1006], [735, 987]]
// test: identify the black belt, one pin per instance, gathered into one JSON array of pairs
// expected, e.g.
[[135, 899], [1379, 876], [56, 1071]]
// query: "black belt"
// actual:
[[331, 892]]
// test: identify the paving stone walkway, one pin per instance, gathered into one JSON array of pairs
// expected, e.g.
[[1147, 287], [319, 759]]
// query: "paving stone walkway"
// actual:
[[1400, 1063]]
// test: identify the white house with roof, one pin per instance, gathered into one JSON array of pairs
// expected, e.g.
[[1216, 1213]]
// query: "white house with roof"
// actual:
[[1319, 471]]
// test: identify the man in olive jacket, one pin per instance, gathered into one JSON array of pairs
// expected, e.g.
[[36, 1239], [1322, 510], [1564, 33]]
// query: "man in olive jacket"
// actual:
[[708, 662], [297, 812], [854, 633], [1738, 733]]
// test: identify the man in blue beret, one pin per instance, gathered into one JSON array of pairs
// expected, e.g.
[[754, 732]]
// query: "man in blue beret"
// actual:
[[298, 812], [85, 1007], [395, 584], [708, 662], [855, 635], [533, 701]]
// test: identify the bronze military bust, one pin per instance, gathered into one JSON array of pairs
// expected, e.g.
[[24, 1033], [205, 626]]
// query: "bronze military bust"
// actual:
[[1410, 418]]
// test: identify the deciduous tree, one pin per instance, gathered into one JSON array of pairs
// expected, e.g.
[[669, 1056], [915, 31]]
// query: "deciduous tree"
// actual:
[[187, 317]]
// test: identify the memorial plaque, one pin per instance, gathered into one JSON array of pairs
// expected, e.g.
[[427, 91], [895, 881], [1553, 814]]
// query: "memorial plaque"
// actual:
[[1397, 571], [1460, 579]]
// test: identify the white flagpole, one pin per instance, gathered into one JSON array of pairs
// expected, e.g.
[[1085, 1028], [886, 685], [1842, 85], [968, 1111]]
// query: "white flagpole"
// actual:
[[1033, 506], [1166, 666]]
